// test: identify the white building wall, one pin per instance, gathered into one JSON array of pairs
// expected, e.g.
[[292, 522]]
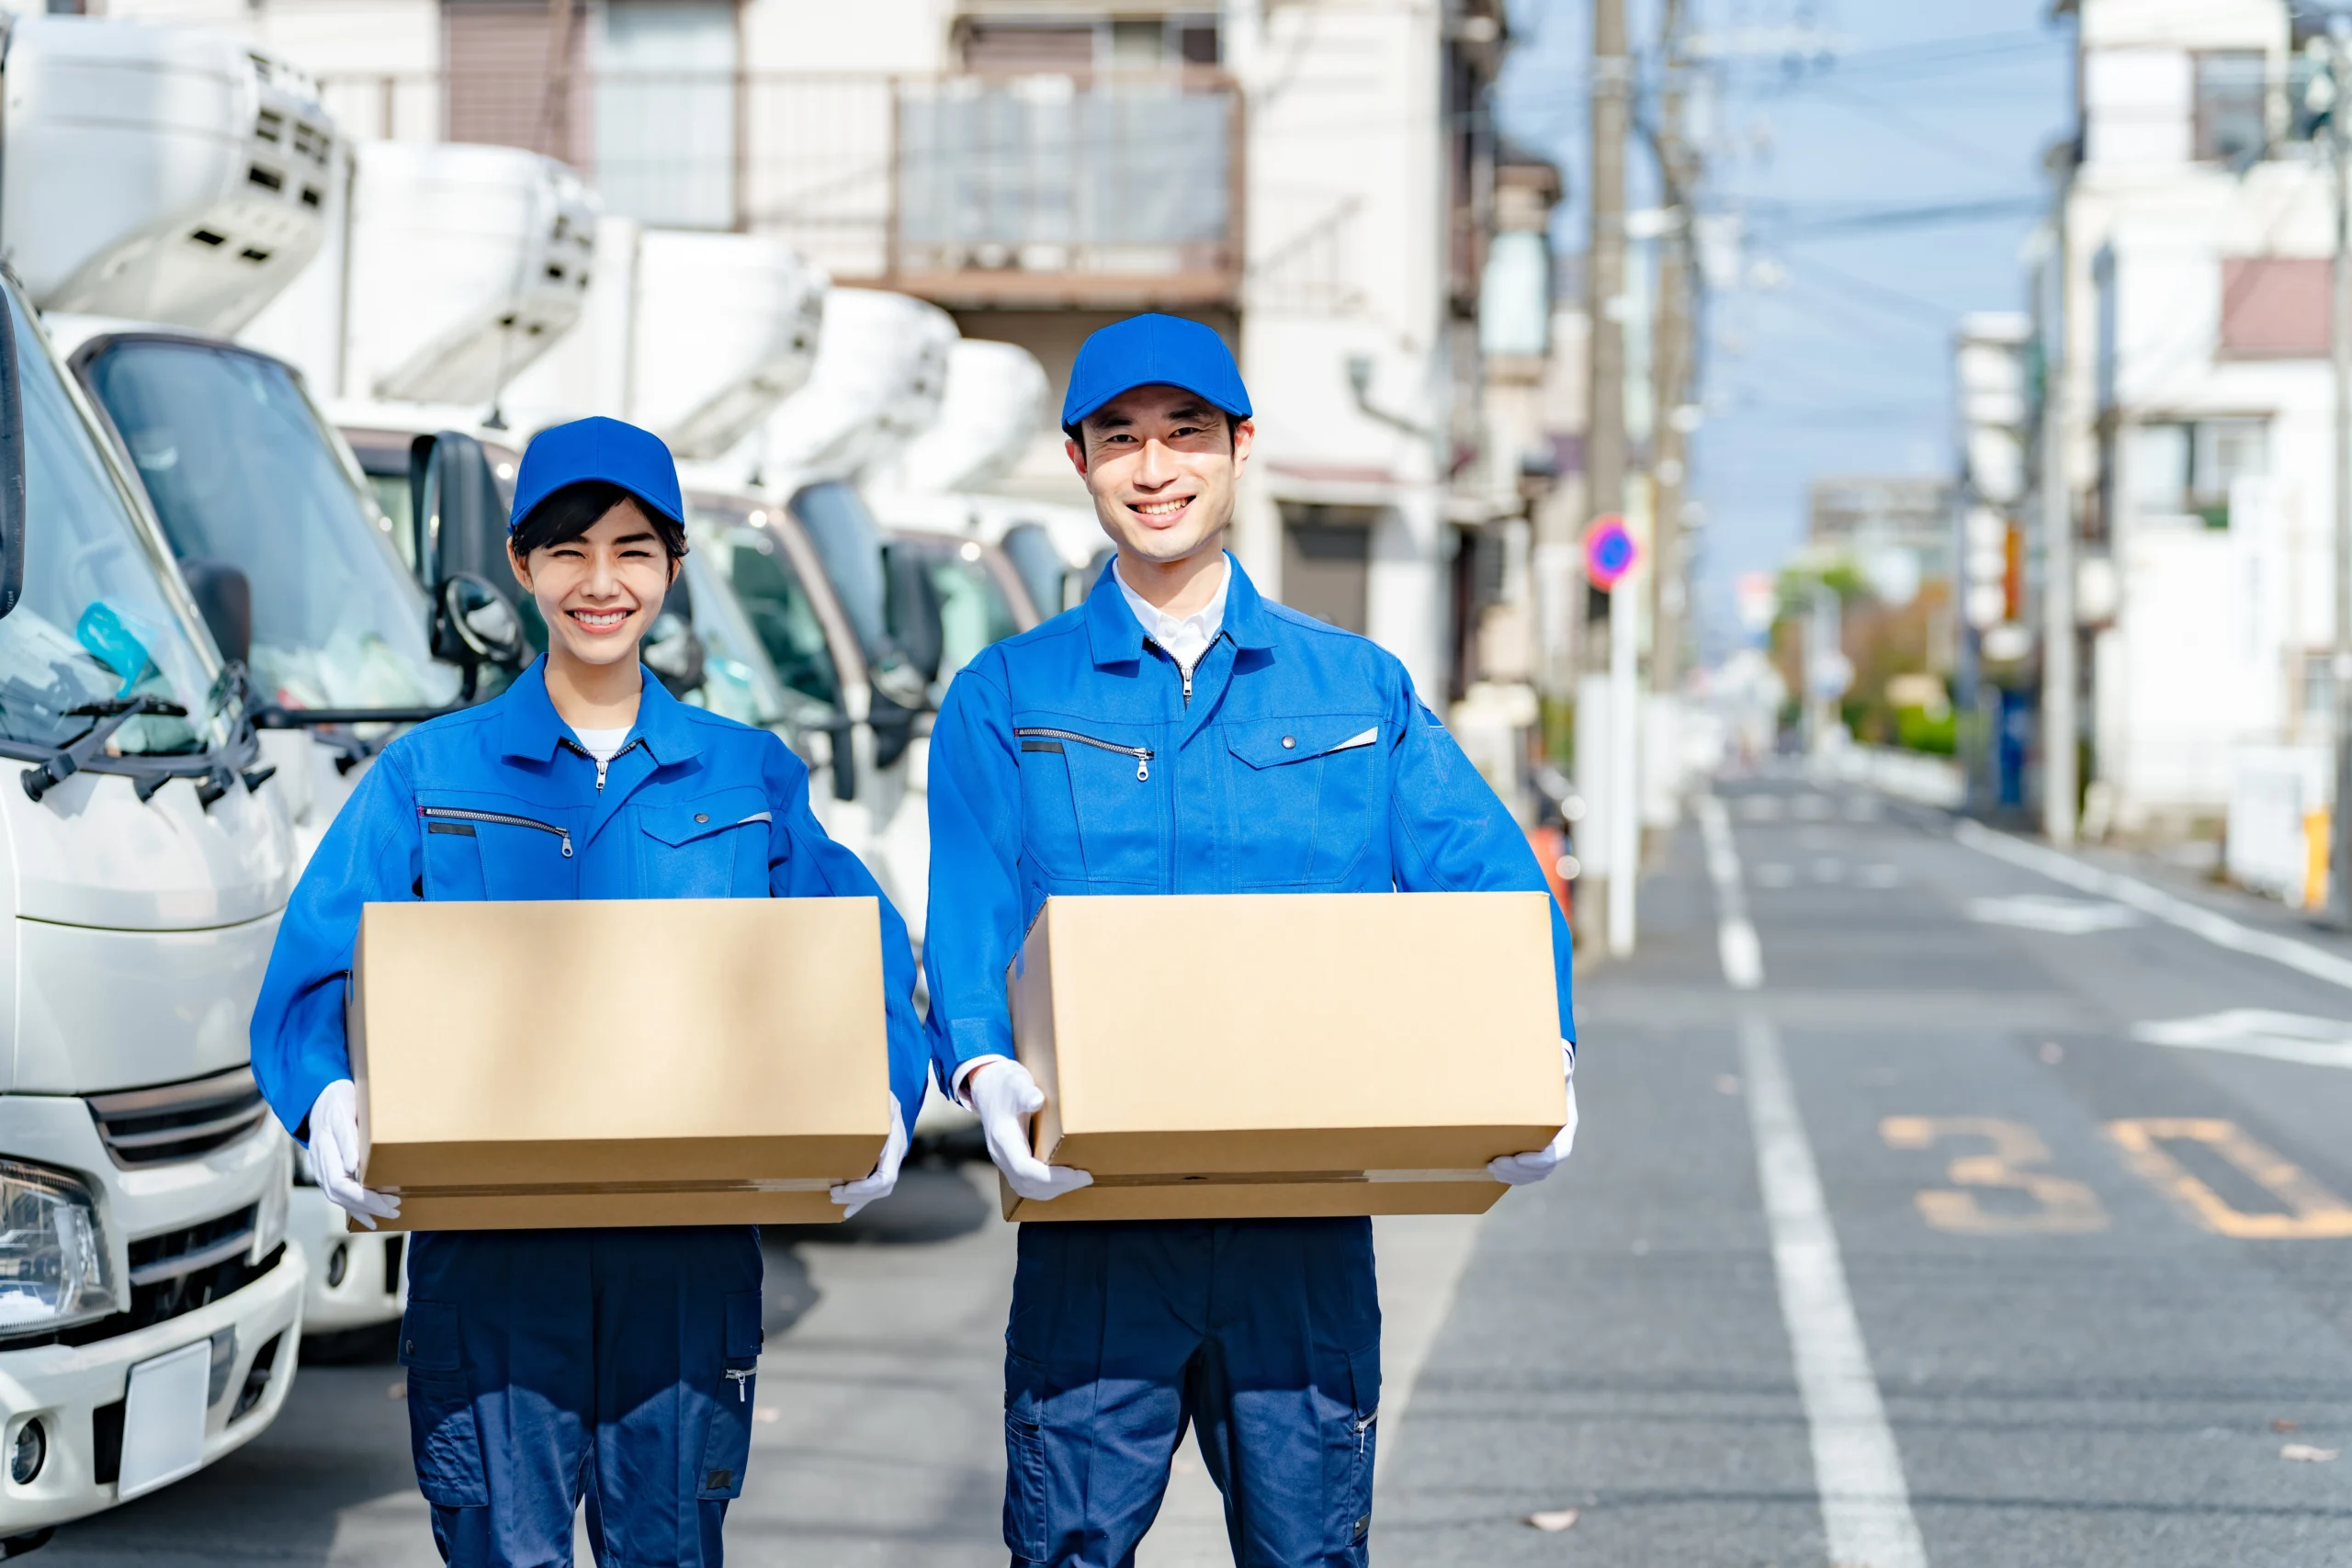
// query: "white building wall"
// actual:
[[2206, 653]]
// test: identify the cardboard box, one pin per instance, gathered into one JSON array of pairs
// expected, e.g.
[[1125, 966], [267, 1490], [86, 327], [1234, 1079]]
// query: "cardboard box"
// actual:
[[639, 1062], [1255, 1055]]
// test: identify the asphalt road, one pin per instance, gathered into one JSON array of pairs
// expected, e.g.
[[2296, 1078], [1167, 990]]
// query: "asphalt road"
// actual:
[[2000, 1213]]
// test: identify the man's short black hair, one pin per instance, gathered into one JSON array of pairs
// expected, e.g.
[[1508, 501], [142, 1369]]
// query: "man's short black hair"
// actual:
[[567, 513]]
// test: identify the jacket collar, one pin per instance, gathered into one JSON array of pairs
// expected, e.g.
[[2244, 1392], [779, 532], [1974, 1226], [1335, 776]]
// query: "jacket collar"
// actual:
[[1117, 636], [532, 729]]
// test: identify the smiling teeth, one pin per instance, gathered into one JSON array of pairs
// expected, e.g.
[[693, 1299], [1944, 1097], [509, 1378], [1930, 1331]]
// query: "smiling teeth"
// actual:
[[600, 617], [1162, 508]]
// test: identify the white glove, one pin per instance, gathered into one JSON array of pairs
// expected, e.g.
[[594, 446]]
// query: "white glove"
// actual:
[[1006, 1097], [855, 1195], [1518, 1170], [335, 1157]]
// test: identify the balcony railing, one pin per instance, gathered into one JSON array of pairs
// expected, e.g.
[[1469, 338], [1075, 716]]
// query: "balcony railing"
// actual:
[[1050, 190]]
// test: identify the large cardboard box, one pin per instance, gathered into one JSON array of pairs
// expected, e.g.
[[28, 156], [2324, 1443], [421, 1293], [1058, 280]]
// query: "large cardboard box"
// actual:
[[1250, 1055], [638, 1062]]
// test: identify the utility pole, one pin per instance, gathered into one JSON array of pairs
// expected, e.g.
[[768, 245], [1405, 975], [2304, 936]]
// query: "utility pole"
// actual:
[[2339, 846], [1670, 359], [1604, 458], [2059, 784]]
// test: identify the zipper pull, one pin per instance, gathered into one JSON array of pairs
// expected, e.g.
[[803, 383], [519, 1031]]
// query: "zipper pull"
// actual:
[[1143, 764], [1188, 685], [742, 1378], [567, 846], [602, 764]]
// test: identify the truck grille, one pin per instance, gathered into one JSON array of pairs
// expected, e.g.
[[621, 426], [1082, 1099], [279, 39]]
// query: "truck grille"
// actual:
[[183, 1251], [179, 1121]]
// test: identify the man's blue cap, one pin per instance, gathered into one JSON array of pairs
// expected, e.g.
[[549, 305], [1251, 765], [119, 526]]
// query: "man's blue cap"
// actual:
[[1153, 351], [607, 449]]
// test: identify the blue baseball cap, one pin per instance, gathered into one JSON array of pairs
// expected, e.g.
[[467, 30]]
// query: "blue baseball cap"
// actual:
[[1153, 351], [607, 449]]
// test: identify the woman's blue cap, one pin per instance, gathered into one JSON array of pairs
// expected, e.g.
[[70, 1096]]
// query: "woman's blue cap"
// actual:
[[1153, 351], [607, 449]]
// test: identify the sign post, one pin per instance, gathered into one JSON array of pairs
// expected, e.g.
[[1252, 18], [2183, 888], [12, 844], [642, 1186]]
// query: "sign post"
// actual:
[[1612, 558]]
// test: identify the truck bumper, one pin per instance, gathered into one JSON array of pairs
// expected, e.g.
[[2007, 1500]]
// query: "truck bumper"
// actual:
[[368, 1291], [75, 1391]]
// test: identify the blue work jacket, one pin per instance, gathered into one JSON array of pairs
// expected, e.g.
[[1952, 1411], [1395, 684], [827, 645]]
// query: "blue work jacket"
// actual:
[[501, 802], [1072, 759]]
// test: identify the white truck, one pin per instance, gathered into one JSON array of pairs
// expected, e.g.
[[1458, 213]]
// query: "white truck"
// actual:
[[148, 1296], [220, 175]]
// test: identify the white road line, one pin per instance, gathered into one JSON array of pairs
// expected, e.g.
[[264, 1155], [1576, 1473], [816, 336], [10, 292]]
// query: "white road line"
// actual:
[[2218, 929], [1735, 943], [1865, 1503]]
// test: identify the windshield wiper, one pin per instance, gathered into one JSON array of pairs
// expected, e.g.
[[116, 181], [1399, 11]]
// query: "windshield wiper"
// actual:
[[273, 716], [112, 714]]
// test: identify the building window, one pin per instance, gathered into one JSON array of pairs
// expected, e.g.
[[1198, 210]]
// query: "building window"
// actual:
[[2231, 120], [1327, 563], [2182, 471], [666, 111]]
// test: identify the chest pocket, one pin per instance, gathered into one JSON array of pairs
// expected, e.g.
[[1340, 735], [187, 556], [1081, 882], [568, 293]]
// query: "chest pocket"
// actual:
[[1306, 792], [715, 847], [1090, 805], [485, 852]]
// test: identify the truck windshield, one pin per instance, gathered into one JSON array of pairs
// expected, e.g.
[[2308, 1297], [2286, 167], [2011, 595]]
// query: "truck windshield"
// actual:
[[240, 469], [103, 616]]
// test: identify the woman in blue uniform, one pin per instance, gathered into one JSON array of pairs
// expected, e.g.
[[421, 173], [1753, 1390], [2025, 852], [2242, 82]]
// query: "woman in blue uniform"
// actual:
[[549, 1367]]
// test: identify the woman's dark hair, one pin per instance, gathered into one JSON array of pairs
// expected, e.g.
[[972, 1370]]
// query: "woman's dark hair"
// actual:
[[565, 514]]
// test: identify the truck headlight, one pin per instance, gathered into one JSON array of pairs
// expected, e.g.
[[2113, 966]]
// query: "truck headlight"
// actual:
[[270, 1218], [54, 1267]]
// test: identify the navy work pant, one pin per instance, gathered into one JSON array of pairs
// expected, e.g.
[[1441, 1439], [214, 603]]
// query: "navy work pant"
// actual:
[[1263, 1334], [548, 1366]]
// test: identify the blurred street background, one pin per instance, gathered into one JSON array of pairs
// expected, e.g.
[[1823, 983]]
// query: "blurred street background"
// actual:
[[1869, 484]]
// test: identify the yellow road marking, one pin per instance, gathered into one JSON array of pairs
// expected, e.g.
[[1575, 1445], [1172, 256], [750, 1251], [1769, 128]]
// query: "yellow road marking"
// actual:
[[2061, 1207], [2314, 1210]]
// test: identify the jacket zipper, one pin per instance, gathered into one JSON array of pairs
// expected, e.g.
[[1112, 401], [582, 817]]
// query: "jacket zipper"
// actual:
[[1182, 669], [605, 762], [1142, 754], [458, 814], [742, 1378], [1364, 1425]]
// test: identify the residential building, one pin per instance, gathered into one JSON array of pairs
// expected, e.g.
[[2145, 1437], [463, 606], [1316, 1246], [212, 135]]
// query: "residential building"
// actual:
[[2195, 398], [1316, 179]]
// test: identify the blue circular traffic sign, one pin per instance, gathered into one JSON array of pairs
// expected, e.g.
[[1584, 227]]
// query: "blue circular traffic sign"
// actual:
[[1610, 552]]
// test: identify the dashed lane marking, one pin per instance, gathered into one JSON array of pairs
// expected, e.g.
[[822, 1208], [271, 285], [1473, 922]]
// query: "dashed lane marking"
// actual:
[[2056, 916], [1865, 1501]]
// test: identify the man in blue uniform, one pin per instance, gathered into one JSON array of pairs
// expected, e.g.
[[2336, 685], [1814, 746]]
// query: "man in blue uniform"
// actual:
[[547, 1366], [1178, 734]]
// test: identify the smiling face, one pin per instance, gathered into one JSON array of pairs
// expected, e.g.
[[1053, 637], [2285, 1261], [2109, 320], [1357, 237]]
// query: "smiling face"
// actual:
[[1160, 463], [600, 592]]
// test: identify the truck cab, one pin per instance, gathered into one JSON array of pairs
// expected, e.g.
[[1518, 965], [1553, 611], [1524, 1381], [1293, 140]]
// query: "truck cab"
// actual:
[[150, 1298]]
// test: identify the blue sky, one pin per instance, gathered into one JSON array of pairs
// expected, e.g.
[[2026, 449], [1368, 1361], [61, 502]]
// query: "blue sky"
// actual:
[[1833, 354]]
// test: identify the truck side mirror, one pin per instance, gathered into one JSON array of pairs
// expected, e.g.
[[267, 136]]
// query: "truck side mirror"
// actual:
[[913, 610], [456, 513], [473, 625], [12, 462], [224, 596]]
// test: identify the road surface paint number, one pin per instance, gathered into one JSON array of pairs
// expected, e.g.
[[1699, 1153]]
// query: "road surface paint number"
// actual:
[[2256, 1032], [2057, 916], [2312, 1211], [2057, 1206]]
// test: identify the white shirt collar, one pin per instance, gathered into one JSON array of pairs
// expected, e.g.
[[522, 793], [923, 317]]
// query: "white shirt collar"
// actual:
[[1188, 640]]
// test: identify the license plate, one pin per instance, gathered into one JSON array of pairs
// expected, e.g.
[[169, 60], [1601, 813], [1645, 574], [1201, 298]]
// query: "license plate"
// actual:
[[163, 1420]]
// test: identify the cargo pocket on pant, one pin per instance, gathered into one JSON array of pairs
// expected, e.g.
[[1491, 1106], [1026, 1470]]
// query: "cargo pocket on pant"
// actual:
[[1024, 1459], [727, 1448], [444, 1435], [1351, 1512]]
